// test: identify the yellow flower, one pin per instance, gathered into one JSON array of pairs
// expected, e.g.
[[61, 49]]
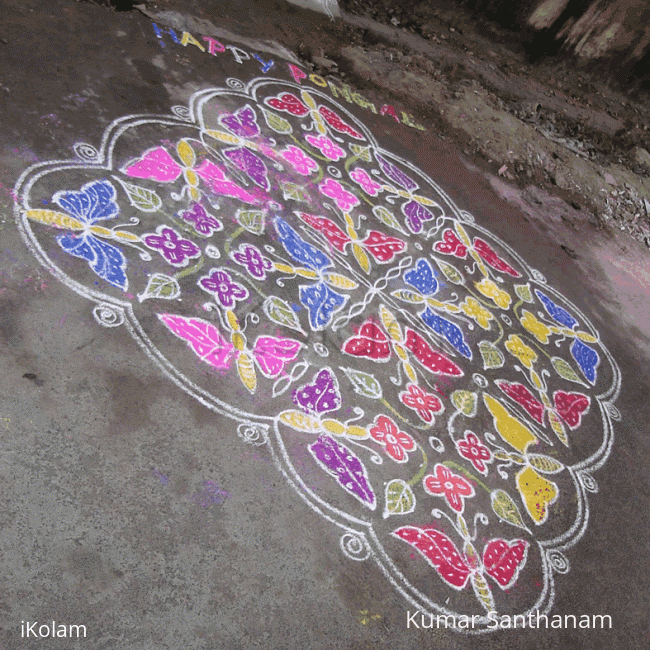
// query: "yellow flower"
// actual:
[[535, 327], [519, 349], [490, 290], [472, 308]]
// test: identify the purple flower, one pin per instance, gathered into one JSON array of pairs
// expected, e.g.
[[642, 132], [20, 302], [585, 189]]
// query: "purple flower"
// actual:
[[204, 223], [225, 290], [176, 250], [250, 257]]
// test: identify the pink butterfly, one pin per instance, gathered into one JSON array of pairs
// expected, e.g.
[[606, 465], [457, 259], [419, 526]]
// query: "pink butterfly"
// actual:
[[501, 560], [270, 353], [289, 103], [157, 164]]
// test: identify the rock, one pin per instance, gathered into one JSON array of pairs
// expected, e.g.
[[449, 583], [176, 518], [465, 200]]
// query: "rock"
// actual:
[[641, 156]]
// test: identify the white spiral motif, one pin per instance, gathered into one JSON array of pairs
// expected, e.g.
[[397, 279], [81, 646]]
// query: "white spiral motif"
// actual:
[[183, 112], [86, 152], [355, 547], [588, 482], [108, 315], [558, 561], [253, 434]]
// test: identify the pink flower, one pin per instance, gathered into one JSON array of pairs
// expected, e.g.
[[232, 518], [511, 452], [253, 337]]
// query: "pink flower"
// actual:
[[326, 146], [361, 177], [475, 451], [396, 442], [299, 160], [452, 487], [344, 199], [419, 400]]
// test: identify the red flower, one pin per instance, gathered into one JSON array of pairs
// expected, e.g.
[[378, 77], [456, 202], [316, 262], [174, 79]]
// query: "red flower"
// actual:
[[449, 485], [421, 401], [475, 451], [396, 442]]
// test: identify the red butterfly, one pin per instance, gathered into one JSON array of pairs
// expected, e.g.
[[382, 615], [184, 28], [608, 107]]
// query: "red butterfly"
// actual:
[[458, 243], [569, 406], [382, 247], [502, 560], [291, 104], [371, 342]]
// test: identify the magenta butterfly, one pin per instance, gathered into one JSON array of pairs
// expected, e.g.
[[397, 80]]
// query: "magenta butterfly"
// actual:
[[501, 560], [269, 353], [289, 103]]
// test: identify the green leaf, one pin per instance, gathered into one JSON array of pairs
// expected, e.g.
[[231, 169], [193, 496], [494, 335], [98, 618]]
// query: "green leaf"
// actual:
[[400, 499], [281, 313], [161, 286], [465, 401], [140, 197], [545, 464], [492, 356], [362, 152], [450, 272], [563, 369], [252, 220], [363, 383], [277, 123], [386, 217], [293, 191], [506, 509], [523, 291], [408, 296]]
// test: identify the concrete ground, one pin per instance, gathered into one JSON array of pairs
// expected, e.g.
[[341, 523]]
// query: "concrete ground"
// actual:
[[232, 417]]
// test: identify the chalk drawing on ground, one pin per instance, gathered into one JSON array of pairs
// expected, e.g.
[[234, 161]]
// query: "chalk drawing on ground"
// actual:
[[449, 406]]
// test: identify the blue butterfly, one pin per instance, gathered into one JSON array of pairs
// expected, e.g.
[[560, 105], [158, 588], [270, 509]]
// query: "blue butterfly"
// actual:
[[94, 202], [423, 277], [587, 358], [322, 301]]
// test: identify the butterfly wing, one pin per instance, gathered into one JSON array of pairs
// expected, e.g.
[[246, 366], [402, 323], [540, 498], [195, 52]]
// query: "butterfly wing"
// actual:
[[219, 183], [335, 236], [302, 252], [396, 174], [449, 330], [106, 260], [322, 302], [415, 214], [431, 360], [557, 313], [337, 123], [242, 122], [439, 551], [94, 202], [520, 394], [252, 165], [320, 396], [423, 277], [451, 245], [203, 338], [369, 342], [490, 256], [155, 164], [288, 103], [272, 354]]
